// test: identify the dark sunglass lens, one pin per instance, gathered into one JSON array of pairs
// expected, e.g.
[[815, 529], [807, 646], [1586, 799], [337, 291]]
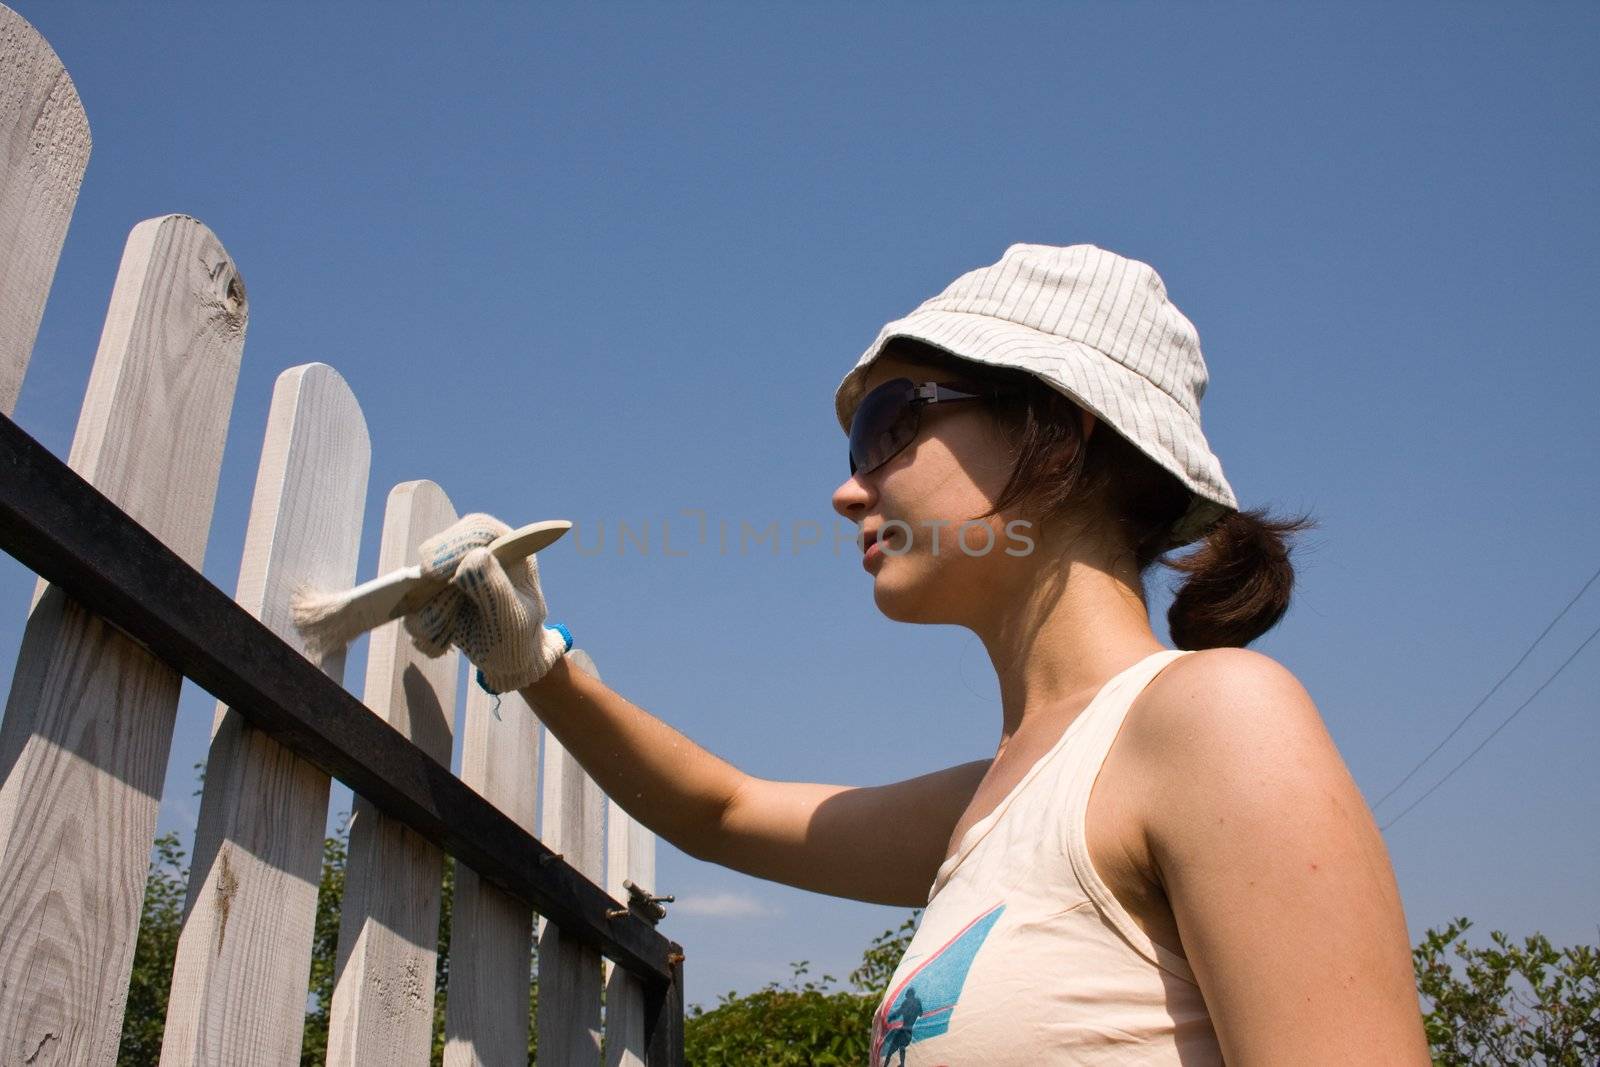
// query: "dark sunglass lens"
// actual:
[[884, 423]]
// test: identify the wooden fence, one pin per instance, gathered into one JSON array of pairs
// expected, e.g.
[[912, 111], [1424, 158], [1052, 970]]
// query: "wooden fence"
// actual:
[[121, 614]]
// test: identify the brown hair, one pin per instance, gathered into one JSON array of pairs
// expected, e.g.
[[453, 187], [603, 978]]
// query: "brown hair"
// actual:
[[1238, 582]]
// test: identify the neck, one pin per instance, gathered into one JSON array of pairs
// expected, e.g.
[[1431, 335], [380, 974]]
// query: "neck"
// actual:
[[1077, 624]]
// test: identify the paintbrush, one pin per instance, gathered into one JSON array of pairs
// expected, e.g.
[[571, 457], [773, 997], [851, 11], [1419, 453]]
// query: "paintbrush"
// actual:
[[330, 621]]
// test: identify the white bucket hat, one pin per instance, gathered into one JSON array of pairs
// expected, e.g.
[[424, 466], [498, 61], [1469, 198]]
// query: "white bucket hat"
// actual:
[[1099, 328]]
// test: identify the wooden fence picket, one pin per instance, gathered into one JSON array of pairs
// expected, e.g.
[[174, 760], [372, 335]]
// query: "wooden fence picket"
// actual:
[[44, 146], [569, 971], [239, 982], [88, 724], [630, 857], [491, 932], [382, 1010]]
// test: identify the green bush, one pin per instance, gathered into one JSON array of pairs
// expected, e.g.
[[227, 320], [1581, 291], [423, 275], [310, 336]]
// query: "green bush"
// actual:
[[153, 954], [325, 944], [801, 1022], [1511, 1005]]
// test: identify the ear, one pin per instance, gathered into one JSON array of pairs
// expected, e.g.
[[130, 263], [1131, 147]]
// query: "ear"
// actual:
[[1088, 422]]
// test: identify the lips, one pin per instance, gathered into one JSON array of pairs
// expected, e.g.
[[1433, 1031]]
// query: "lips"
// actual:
[[871, 550], [872, 557]]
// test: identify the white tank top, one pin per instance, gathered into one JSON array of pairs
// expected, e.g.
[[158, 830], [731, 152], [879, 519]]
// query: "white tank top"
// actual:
[[1023, 956]]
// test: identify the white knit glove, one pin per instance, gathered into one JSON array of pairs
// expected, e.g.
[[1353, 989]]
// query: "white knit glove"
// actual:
[[493, 613]]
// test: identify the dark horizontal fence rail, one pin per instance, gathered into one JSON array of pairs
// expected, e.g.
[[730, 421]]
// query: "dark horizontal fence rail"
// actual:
[[67, 532]]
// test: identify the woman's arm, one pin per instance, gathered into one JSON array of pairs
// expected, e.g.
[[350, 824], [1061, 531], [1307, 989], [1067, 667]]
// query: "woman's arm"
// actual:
[[1281, 886], [880, 843]]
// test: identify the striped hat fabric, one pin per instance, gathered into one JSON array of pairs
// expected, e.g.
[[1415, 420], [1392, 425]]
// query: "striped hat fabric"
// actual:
[[1097, 327]]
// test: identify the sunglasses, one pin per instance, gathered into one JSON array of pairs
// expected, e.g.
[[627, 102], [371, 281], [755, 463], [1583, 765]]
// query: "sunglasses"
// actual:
[[887, 419]]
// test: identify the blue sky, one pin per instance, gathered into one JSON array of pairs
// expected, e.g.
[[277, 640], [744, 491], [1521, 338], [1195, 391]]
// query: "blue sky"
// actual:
[[609, 263]]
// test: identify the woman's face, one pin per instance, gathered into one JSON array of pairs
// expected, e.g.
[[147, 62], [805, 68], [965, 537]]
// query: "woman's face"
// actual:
[[952, 471]]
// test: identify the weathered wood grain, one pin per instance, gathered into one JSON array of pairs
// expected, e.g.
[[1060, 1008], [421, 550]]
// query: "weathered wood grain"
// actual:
[[630, 857], [569, 972], [239, 983], [491, 932], [382, 1009], [88, 724], [44, 146]]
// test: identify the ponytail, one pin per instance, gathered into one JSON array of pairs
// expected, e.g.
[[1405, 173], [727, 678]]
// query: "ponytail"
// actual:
[[1238, 581]]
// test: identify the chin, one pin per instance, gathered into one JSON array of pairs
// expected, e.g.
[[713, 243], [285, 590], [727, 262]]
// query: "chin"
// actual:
[[917, 597], [897, 609]]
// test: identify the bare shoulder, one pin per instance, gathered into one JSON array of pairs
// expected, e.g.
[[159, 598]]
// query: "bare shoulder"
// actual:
[[1223, 675], [1219, 695], [1217, 731]]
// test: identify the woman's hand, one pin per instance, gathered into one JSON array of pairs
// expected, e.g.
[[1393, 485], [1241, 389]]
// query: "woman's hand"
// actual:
[[495, 614]]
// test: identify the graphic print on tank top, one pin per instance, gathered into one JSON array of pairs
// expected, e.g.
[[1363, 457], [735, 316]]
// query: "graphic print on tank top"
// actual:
[[921, 1006]]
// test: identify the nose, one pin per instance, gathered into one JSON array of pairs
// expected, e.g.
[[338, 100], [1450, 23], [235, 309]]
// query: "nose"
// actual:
[[854, 497]]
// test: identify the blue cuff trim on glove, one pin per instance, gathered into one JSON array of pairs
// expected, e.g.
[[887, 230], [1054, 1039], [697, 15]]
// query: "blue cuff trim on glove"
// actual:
[[561, 629]]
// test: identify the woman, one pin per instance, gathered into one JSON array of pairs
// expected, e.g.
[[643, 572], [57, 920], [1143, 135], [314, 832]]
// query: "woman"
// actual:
[[1166, 860]]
